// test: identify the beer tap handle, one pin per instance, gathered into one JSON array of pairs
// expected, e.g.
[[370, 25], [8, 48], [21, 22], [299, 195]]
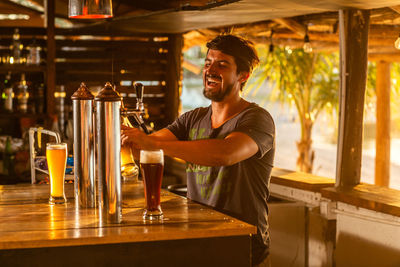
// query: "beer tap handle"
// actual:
[[139, 120], [139, 91], [139, 96], [139, 106]]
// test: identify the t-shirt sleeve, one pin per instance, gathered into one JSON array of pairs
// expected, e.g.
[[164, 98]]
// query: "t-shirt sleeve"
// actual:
[[259, 125], [179, 127]]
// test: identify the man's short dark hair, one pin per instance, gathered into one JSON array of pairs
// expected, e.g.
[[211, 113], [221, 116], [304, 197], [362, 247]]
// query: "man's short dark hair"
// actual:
[[240, 49]]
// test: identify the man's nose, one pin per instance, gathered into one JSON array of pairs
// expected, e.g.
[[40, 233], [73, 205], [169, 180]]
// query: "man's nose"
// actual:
[[212, 68]]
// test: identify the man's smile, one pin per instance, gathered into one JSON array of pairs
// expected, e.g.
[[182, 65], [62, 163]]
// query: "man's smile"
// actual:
[[213, 80]]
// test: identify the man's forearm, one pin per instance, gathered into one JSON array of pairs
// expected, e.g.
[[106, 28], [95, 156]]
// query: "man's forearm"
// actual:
[[210, 152], [207, 152]]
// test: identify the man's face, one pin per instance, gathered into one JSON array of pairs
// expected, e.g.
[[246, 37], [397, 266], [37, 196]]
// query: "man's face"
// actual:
[[220, 76]]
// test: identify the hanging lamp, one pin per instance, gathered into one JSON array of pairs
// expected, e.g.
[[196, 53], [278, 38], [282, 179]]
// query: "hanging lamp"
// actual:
[[307, 45], [271, 45], [90, 9], [397, 43]]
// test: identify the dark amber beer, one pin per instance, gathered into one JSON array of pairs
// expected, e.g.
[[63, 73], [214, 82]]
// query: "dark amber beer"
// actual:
[[152, 168]]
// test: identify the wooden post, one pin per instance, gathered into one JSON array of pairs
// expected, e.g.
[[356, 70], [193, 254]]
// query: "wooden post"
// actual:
[[51, 54], [353, 35], [382, 156], [174, 77]]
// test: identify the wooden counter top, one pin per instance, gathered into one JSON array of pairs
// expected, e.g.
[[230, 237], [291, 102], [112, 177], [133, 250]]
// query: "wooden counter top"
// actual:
[[300, 180], [28, 221], [367, 196]]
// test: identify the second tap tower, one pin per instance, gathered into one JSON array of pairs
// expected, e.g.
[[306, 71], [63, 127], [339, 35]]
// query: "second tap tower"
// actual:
[[105, 139], [108, 139]]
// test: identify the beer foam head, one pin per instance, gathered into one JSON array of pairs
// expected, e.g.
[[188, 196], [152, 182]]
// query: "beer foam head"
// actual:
[[151, 156], [56, 146]]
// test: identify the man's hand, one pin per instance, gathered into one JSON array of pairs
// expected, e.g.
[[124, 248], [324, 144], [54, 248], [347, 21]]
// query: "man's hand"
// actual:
[[136, 138]]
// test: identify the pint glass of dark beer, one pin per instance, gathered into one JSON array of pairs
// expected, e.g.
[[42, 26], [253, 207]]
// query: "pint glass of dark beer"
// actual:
[[152, 167]]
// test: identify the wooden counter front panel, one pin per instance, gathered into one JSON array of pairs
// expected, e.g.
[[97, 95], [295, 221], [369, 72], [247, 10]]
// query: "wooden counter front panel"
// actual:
[[30, 229], [220, 251]]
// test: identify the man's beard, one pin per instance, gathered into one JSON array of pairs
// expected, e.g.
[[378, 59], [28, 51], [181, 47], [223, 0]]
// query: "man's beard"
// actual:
[[219, 96]]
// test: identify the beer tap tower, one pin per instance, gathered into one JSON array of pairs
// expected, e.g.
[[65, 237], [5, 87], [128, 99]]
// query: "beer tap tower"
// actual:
[[97, 139], [84, 157], [137, 113]]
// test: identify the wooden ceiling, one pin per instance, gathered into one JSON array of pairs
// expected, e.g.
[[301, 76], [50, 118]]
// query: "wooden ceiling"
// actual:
[[322, 29], [200, 20]]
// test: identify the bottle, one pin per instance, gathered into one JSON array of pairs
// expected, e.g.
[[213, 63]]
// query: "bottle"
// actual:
[[8, 93], [32, 92], [16, 48], [23, 95], [2, 93], [33, 57], [8, 158], [40, 99]]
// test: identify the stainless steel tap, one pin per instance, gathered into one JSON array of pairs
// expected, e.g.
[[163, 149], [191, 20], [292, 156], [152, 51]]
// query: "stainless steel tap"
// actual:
[[84, 154], [137, 114], [97, 148], [108, 144]]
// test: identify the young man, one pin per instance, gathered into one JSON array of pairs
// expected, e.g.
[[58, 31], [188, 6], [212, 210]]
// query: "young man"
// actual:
[[229, 146]]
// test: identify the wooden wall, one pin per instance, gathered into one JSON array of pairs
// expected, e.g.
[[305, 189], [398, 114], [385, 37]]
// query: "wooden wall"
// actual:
[[16, 122], [97, 58], [123, 60], [28, 36]]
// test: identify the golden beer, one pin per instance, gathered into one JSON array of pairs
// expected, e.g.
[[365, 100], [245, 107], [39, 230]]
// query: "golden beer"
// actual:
[[129, 169], [56, 155]]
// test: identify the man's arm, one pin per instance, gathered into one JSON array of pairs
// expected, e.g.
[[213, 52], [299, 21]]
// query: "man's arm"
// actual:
[[164, 135], [161, 135], [232, 149]]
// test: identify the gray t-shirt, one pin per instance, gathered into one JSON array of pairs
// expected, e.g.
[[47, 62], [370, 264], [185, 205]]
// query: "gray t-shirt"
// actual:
[[240, 190]]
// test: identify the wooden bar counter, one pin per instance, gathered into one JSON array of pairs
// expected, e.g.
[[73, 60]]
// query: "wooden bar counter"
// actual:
[[34, 233]]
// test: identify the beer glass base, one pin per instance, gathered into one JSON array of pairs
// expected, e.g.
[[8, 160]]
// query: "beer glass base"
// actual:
[[152, 215], [130, 178], [130, 172], [57, 200]]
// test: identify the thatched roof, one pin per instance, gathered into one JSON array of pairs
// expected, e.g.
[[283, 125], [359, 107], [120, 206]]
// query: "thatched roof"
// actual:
[[200, 20]]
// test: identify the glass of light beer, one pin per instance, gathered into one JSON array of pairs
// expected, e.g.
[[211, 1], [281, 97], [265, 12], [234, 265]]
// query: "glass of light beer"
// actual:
[[152, 168], [129, 169], [56, 155]]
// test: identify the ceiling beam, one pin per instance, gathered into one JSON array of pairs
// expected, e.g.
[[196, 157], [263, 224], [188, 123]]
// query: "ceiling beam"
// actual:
[[378, 35], [150, 5], [293, 25], [389, 57], [18, 7], [395, 8]]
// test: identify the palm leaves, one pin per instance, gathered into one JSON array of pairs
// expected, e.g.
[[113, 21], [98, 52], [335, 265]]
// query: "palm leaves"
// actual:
[[310, 82]]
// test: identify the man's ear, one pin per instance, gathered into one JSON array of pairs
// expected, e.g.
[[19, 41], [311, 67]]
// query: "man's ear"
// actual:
[[243, 76]]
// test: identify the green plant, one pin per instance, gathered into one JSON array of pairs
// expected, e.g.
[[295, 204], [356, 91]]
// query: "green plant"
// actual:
[[309, 81]]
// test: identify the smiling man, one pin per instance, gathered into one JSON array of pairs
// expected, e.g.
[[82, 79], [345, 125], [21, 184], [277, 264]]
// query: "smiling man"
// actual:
[[229, 146]]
